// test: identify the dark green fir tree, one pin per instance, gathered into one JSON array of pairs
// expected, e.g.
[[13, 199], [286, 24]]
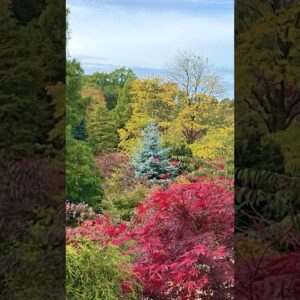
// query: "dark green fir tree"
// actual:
[[79, 131]]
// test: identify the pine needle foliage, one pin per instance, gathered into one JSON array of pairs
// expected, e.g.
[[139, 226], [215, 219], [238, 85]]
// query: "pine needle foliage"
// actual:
[[83, 178], [152, 159], [101, 129]]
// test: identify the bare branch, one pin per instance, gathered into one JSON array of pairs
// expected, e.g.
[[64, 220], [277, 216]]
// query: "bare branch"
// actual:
[[292, 117], [194, 74]]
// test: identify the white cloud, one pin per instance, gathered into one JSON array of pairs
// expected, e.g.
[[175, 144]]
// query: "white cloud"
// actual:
[[134, 37], [137, 36]]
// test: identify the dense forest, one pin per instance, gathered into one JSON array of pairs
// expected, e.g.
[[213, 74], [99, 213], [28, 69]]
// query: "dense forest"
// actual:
[[149, 183], [32, 149]]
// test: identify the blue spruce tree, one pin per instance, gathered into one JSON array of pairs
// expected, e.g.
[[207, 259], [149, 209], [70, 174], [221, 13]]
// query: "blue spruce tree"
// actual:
[[152, 159]]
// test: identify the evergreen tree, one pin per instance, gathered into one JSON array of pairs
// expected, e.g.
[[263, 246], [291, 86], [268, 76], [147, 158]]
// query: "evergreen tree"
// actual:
[[83, 178], [79, 131], [20, 73], [57, 134], [101, 130], [76, 106], [152, 159], [123, 110], [33, 185]]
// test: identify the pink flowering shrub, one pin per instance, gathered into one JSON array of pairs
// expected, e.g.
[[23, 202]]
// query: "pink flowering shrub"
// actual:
[[77, 213]]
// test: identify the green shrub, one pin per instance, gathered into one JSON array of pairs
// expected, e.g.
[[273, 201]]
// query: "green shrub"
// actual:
[[83, 178], [259, 152], [215, 169], [122, 204], [123, 192], [95, 273], [179, 150]]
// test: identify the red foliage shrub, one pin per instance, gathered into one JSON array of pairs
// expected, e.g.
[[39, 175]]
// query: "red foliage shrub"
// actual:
[[109, 162], [184, 241], [99, 230], [276, 278]]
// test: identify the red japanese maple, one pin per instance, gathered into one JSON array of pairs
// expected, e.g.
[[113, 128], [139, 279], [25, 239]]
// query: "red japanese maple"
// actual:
[[99, 230], [184, 242]]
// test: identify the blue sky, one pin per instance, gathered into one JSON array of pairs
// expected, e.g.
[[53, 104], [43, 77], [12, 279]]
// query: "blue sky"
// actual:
[[146, 34]]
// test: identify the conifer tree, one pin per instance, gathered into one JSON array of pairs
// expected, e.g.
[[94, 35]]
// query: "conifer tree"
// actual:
[[20, 73], [83, 178], [79, 131], [101, 130], [76, 106], [123, 110], [152, 159]]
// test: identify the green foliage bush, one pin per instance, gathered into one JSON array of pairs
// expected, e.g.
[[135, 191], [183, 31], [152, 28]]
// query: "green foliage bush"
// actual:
[[255, 152], [83, 178], [123, 192], [95, 273], [179, 150], [121, 205]]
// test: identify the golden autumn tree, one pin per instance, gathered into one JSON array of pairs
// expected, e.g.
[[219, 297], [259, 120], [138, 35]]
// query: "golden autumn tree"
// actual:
[[267, 60], [219, 125], [200, 84], [151, 100], [194, 120]]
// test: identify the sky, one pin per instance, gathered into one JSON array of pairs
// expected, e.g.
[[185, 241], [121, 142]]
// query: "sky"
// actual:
[[146, 34]]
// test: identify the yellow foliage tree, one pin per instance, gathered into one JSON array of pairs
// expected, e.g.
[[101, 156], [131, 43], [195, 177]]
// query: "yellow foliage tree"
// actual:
[[219, 142], [200, 84], [268, 64], [219, 139], [152, 100], [194, 120]]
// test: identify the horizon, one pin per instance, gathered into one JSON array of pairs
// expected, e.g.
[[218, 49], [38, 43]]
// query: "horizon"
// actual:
[[145, 36]]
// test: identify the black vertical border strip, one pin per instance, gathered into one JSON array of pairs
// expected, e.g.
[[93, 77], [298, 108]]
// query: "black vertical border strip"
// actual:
[[267, 162], [32, 149]]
